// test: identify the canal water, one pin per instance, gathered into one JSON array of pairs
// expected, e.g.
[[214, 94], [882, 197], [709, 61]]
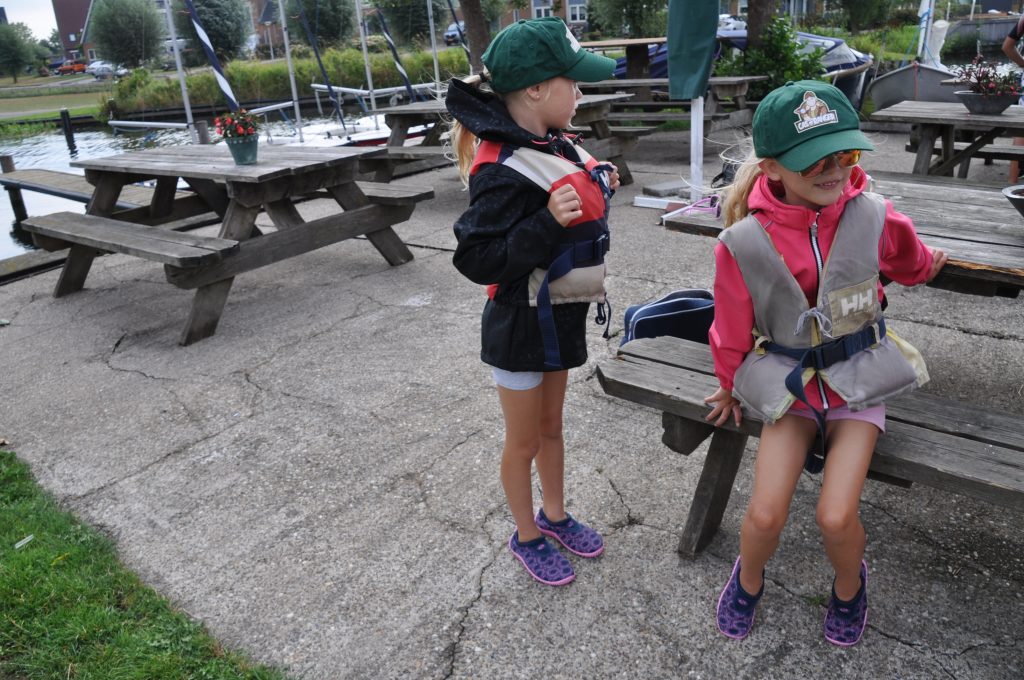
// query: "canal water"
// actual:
[[49, 151]]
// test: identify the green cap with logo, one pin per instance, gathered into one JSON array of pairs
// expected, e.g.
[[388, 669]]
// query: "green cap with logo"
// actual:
[[532, 51], [801, 122]]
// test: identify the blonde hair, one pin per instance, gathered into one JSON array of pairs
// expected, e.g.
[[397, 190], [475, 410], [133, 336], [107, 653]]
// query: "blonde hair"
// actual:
[[734, 196]]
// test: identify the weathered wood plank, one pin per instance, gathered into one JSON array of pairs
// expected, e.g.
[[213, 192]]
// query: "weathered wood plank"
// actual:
[[168, 247], [395, 194], [921, 408], [280, 245], [937, 442]]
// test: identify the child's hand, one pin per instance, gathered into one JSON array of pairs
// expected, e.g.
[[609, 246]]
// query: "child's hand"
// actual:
[[613, 177], [565, 204], [724, 405], [939, 259]]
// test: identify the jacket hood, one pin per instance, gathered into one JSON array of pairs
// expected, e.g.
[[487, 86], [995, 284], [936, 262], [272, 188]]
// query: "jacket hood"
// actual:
[[486, 116], [764, 200]]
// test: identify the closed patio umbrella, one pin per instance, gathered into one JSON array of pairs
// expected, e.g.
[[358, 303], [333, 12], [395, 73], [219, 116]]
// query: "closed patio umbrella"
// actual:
[[692, 30]]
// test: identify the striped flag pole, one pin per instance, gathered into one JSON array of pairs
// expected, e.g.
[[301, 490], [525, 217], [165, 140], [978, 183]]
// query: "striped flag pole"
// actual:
[[320, 62], [462, 37], [204, 40], [394, 55]]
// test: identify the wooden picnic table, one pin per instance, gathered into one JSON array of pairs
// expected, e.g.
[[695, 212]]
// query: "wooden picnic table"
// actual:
[[283, 176], [942, 121], [721, 89], [976, 226], [591, 112]]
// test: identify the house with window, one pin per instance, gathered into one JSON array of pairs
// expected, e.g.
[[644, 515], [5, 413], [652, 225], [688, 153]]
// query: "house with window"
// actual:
[[573, 12], [71, 17]]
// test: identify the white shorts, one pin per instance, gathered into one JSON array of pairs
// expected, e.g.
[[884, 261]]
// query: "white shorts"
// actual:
[[517, 380]]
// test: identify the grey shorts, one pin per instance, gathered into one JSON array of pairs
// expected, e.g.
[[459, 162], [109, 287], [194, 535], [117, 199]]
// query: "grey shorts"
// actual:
[[517, 380]]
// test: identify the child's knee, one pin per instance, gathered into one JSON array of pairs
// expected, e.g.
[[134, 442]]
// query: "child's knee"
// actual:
[[766, 520], [834, 519]]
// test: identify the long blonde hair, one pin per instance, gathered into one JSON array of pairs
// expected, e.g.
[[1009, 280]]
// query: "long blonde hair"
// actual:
[[734, 199]]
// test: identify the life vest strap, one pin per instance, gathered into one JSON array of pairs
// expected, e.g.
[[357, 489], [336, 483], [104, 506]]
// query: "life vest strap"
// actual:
[[820, 357], [576, 254]]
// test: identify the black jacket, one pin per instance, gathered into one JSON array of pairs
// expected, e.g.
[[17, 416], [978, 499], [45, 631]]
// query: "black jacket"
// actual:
[[506, 233]]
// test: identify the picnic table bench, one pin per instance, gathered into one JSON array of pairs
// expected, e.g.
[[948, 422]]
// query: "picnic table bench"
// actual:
[[283, 177], [937, 442]]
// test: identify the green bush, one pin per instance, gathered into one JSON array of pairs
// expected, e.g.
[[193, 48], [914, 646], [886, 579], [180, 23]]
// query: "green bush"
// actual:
[[778, 58], [262, 82]]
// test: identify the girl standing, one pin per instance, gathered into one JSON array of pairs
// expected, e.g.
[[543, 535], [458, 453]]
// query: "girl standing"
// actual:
[[802, 343], [535, 233]]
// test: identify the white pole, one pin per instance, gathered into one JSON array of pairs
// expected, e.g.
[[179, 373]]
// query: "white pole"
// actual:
[[291, 70], [181, 72], [366, 58], [433, 48], [696, 148]]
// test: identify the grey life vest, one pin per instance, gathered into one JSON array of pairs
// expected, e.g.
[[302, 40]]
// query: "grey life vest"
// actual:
[[847, 307]]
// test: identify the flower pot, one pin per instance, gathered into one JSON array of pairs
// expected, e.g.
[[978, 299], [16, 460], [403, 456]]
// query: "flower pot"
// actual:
[[1015, 195], [243, 149], [986, 104]]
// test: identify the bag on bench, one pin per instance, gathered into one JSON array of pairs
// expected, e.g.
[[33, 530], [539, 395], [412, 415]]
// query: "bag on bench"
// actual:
[[685, 314]]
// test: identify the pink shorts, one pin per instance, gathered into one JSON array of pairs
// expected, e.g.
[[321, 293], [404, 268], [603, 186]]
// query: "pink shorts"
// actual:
[[874, 414]]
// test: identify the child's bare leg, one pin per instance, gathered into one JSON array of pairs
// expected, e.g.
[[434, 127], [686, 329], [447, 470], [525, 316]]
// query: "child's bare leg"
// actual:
[[521, 409], [780, 458], [551, 457], [850, 446]]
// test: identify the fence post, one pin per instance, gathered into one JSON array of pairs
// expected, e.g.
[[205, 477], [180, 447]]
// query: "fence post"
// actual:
[[203, 131], [17, 201], [69, 133]]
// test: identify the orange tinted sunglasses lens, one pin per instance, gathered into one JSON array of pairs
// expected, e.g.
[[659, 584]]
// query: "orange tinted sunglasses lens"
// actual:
[[844, 159]]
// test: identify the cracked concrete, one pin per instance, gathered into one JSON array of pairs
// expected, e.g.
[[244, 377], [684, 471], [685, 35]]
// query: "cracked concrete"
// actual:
[[318, 482]]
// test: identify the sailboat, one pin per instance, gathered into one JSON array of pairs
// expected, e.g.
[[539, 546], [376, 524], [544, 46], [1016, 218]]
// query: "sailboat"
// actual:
[[920, 80]]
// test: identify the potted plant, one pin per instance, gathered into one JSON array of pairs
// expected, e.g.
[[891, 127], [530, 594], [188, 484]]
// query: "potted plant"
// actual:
[[993, 88], [240, 131]]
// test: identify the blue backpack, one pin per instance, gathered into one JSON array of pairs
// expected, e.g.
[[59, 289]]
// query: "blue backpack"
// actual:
[[684, 314]]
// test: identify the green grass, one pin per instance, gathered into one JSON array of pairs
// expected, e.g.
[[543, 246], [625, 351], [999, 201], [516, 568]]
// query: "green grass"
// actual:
[[49, 106], [68, 609]]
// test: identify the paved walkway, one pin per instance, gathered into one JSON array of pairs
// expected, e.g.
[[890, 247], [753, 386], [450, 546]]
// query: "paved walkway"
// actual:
[[318, 482]]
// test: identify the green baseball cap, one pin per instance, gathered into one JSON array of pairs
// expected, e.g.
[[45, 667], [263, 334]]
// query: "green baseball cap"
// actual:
[[801, 122], [532, 51]]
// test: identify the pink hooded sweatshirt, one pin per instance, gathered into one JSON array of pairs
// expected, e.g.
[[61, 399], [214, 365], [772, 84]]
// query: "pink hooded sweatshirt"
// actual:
[[901, 255]]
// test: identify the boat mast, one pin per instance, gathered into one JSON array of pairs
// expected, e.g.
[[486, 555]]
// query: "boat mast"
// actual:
[[291, 69], [181, 71], [366, 60]]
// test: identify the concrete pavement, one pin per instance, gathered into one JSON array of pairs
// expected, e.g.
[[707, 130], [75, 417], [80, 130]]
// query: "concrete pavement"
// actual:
[[318, 482]]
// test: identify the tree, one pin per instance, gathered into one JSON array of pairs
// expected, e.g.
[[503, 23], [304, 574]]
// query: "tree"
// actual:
[[631, 18], [227, 23], [15, 51], [478, 34], [331, 21], [126, 32], [53, 43], [864, 13], [407, 19], [759, 13]]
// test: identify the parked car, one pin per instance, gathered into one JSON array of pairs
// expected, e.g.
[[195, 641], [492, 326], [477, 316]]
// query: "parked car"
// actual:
[[451, 34], [71, 66], [105, 70], [95, 64]]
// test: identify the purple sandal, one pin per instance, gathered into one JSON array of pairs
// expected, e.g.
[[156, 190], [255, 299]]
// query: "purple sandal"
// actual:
[[577, 537], [735, 612], [845, 621], [544, 563]]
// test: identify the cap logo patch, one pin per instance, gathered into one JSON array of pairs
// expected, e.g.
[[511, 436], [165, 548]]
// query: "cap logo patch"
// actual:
[[813, 112], [573, 42]]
